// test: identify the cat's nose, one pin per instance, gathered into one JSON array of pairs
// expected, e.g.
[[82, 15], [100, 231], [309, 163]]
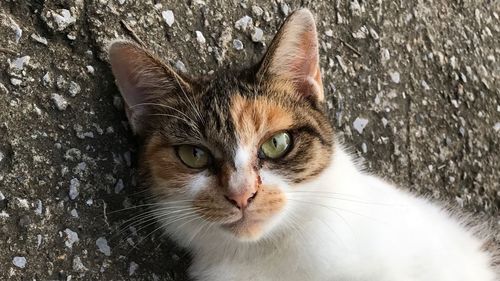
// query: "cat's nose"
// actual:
[[241, 200]]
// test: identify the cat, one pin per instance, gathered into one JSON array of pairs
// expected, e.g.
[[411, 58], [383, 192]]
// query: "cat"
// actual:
[[246, 173]]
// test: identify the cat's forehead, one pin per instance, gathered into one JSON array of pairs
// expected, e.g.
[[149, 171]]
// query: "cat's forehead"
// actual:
[[219, 128], [222, 86], [238, 113]]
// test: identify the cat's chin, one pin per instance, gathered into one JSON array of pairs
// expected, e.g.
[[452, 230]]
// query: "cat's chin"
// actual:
[[245, 229]]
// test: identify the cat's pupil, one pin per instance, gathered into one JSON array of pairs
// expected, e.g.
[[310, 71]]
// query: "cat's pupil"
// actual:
[[275, 142]]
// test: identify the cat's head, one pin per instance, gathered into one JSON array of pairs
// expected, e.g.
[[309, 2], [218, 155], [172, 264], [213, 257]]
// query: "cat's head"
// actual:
[[222, 153]]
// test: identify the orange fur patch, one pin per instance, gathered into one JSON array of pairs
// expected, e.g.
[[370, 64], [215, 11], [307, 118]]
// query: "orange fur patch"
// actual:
[[165, 168], [257, 119]]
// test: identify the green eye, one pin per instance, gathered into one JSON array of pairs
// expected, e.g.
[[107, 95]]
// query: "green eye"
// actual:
[[193, 156], [277, 145]]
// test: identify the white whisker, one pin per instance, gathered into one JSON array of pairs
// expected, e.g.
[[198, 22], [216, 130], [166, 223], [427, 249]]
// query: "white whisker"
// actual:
[[165, 106], [196, 110], [327, 195], [335, 209], [173, 116]]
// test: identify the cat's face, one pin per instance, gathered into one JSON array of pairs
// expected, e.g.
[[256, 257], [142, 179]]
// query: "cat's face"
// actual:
[[223, 152]]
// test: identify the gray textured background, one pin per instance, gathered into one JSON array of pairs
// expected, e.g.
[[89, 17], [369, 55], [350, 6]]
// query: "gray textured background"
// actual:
[[424, 74]]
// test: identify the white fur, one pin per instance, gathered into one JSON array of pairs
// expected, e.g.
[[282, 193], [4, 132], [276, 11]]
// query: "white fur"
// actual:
[[362, 229], [197, 184], [242, 158], [240, 178]]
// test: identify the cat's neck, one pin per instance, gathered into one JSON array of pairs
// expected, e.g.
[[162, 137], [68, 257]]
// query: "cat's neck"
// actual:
[[342, 171]]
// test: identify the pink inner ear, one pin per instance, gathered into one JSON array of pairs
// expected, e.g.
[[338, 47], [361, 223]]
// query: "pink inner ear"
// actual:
[[306, 71], [124, 63], [141, 78], [294, 55], [133, 68]]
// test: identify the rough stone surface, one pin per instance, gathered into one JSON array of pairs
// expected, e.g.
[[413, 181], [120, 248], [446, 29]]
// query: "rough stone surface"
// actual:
[[434, 128], [168, 16], [19, 262], [102, 245]]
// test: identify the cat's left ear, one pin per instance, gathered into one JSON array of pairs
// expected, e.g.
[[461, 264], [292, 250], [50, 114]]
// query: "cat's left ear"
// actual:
[[293, 55], [143, 80]]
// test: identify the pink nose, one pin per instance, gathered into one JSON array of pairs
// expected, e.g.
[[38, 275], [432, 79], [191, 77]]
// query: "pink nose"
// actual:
[[241, 200]]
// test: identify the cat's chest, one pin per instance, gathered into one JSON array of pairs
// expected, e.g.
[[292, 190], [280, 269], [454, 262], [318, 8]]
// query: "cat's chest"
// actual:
[[289, 268], [291, 261]]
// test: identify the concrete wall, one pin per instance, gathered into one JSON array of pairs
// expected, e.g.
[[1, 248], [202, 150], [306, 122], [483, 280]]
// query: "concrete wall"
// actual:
[[423, 74]]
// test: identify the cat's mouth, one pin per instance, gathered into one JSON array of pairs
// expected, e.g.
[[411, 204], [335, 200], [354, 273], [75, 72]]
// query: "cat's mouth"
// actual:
[[246, 228], [245, 224]]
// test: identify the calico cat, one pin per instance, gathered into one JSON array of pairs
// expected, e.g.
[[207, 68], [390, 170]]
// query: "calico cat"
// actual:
[[247, 174]]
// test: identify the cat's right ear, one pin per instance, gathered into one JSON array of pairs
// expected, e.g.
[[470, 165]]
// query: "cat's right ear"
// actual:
[[293, 56], [142, 80]]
